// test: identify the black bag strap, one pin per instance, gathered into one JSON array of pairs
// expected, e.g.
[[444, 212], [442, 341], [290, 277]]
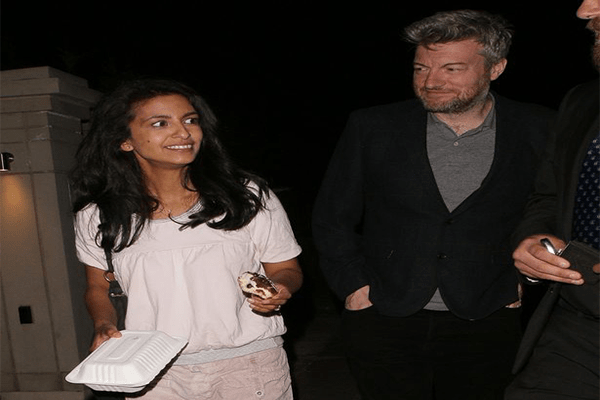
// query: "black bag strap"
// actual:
[[117, 297], [115, 289]]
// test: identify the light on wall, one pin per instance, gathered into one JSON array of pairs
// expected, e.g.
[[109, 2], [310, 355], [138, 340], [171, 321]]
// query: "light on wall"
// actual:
[[5, 160]]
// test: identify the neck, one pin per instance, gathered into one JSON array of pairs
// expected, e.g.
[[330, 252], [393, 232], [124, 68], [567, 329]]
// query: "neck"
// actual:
[[470, 119], [168, 188]]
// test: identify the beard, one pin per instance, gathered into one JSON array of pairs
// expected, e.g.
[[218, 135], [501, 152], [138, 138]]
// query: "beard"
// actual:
[[594, 26], [462, 102]]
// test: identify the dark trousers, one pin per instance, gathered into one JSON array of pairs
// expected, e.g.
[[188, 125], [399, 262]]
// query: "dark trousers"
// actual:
[[431, 354], [565, 361]]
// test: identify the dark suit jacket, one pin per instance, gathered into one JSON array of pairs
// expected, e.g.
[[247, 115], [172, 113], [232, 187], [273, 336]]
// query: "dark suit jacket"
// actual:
[[380, 220], [550, 209]]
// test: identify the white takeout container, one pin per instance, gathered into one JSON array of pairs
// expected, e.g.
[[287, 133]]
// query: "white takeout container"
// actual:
[[128, 363]]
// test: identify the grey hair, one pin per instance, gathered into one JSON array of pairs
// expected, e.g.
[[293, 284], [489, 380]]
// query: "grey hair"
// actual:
[[493, 32]]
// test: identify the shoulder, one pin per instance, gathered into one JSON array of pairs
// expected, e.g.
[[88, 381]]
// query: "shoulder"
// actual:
[[578, 112], [258, 187], [585, 91], [585, 96], [507, 108], [87, 214], [86, 221]]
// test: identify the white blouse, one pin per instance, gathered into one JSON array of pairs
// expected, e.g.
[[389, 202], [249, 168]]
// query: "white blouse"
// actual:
[[184, 282]]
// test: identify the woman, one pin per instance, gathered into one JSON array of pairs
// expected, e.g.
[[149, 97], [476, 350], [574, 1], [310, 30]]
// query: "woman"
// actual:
[[153, 184]]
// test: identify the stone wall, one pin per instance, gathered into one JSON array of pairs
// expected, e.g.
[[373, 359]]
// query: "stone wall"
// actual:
[[45, 330]]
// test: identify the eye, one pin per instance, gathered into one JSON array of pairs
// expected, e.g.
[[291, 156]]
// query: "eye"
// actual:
[[455, 69], [160, 123], [192, 121]]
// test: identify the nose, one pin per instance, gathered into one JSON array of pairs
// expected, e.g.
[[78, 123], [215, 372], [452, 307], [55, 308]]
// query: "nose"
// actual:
[[433, 80], [589, 9], [182, 131]]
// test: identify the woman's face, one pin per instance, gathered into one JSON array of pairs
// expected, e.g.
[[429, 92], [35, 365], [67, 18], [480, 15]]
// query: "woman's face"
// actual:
[[165, 133]]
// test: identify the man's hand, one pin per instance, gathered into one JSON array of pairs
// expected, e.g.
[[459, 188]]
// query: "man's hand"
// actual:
[[359, 300], [532, 259]]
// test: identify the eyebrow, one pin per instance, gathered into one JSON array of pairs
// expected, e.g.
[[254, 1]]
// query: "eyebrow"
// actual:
[[166, 116], [444, 65]]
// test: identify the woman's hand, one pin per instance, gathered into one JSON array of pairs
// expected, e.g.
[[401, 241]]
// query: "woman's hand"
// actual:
[[287, 277], [103, 333], [273, 304], [99, 307]]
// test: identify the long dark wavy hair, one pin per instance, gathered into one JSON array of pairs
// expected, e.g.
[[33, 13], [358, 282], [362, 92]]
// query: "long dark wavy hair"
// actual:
[[112, 179]]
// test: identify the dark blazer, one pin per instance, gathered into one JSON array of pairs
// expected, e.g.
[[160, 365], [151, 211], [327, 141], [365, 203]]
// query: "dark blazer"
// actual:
[[550, 209], [380, 220]]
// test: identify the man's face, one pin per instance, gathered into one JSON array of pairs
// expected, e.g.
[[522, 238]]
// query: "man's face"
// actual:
[[590, 9], [451, 77]]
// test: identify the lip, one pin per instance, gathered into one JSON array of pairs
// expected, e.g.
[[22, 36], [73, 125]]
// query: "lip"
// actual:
[[437, 92]]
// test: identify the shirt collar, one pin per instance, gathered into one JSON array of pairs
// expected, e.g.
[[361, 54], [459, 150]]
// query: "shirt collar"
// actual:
[[488, 123]]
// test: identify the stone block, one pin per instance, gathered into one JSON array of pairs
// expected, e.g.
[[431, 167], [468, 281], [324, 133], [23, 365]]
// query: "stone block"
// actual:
[[15, 135], [43, 86], [40, 152], [22, 282], [44, 396], [50, 231], [41, 73], [12, 121], [39, 382]]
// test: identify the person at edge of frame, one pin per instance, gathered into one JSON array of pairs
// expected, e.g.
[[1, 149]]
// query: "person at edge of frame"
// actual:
[[559, 356]]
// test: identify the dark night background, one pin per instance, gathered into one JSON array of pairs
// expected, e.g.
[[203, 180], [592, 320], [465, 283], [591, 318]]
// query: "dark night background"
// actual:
[[283, 75]]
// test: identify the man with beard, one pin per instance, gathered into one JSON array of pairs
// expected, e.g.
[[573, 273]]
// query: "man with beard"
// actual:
[[559, 356], [413, 219]]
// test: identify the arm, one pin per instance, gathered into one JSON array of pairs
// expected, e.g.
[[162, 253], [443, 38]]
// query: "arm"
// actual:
[[287, 277], [99, 307], [338, 213], [544, 212]]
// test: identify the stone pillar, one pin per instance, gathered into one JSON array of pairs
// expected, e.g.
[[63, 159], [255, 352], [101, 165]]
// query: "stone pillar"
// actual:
[[45, 330]]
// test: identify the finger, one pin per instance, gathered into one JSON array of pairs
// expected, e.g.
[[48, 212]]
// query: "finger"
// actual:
[[542, 254], [103, 335], [266, 306], [537, 258], [550, 272]]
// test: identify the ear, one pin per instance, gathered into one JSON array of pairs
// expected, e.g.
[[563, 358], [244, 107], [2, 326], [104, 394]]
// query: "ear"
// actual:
[[126, 146], [497, 69]]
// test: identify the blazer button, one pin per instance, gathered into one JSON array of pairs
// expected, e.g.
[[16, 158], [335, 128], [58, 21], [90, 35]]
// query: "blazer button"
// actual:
[[442, 256]]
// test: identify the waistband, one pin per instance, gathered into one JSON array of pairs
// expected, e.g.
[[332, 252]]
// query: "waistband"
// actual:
[[211, 355]]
